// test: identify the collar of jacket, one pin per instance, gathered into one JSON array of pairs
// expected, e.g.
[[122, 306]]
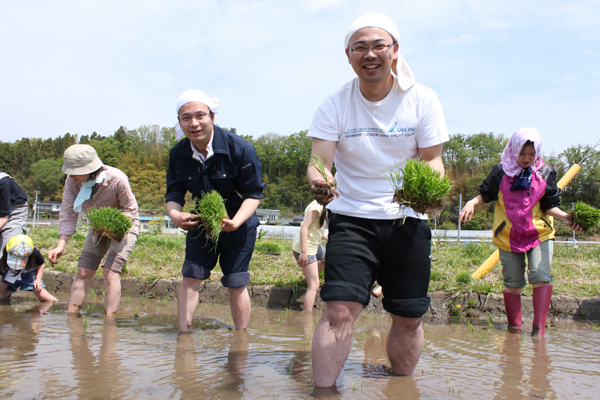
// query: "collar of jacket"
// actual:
[[219, 144]]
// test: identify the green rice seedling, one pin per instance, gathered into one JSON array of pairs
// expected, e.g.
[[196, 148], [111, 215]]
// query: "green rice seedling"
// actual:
[[585, 215], [317, 162], [109, 222], [211, 209], [419, 186]]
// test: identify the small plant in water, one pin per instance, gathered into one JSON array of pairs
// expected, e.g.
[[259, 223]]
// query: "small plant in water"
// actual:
[[211, 209], [89, 309], [470, 326], [93, 295], [84, 322], [109, 222], [419, 186]]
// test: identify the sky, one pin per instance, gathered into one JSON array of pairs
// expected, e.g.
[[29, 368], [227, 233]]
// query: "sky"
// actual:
[[497, 66]]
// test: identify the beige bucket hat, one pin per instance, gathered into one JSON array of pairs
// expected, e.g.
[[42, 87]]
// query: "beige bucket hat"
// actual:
[[81, 159]]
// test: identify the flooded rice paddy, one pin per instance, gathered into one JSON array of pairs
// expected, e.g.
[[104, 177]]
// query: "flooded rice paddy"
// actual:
[[46, 354]]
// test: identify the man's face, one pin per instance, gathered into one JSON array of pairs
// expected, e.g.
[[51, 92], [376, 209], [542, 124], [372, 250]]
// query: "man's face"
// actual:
[[196, 122], [371, 66]]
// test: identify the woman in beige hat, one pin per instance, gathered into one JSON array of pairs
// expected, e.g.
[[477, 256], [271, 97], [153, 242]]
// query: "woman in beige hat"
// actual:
[[91, 184]]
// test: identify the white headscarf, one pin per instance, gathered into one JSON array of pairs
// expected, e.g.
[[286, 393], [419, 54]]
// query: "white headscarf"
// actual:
[[405, 76], [192, 95], [511, 152]]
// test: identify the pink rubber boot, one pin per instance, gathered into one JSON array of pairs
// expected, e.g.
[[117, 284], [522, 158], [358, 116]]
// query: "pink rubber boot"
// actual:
[[512, 303], [542, 296]]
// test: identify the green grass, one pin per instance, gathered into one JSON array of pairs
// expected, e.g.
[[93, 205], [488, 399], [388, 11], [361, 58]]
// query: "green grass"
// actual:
[[211, 208], [109, 219], [576, 271]]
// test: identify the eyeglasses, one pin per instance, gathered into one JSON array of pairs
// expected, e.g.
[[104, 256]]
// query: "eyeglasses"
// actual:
[[378, 48]]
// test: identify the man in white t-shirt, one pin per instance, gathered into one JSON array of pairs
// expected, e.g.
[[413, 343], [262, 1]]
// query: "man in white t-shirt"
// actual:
[[369, 127]]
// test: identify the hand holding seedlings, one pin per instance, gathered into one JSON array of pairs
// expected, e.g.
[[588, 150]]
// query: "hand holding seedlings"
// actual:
[[187, 221], [323, 190], [584, 217]]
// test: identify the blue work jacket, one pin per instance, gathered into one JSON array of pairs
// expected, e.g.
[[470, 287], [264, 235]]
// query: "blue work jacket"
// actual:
[[234, 170]]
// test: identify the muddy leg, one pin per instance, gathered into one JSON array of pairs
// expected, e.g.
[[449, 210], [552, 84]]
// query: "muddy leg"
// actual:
[[79, 288], [332, 340], [112, 287], [43, 295], [187, 301], [404, 344], [240, 307]]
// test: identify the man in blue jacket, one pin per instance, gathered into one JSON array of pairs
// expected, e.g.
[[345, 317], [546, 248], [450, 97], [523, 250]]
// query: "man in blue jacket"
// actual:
[[210, 158]]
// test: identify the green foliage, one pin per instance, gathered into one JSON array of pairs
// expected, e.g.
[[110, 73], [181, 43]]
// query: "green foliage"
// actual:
[[463, 277], [419, 186], [211, 208], [586, 216], [267, 246], [109, 220]]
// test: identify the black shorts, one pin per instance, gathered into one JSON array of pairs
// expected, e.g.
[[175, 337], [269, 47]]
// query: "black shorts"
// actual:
[[398, 256], [234, 251]]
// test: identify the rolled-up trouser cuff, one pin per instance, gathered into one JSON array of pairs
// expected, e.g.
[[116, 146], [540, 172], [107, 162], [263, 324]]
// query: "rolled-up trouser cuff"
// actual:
[[236, 280], [408, 308], [345, 291], [191, 269]]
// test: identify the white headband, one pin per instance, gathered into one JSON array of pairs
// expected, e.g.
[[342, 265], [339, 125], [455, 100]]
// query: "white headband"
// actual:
[[192, 95], [405, 76], [195, 95]]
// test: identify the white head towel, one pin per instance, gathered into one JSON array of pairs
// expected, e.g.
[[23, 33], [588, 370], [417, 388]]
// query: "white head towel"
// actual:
[[195, 95], [405, 76]]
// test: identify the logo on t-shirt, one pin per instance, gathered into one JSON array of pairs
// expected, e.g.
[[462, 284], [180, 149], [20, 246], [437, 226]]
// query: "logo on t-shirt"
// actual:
[[392, 132]]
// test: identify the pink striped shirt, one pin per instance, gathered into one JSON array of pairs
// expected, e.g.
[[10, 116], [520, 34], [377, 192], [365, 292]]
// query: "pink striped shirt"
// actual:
[[114, 192]]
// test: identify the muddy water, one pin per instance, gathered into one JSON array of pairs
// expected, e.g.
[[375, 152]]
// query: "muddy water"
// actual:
[[45, 354]]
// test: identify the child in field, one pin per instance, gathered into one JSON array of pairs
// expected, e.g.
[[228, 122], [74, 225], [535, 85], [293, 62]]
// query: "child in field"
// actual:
[[527, 201], [308, 250], [22, 266]]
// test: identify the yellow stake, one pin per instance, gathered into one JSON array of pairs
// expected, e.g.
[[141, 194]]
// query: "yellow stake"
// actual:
[[492, 260]]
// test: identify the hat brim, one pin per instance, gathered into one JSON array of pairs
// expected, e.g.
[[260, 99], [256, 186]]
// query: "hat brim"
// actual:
[[90, 167]]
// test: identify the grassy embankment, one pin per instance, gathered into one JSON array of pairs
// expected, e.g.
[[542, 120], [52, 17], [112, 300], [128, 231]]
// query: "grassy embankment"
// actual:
[[576, 271]]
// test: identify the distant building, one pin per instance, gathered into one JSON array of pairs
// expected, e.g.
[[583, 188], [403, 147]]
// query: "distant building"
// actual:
[[51, 207], [166, 225], [265, 216]]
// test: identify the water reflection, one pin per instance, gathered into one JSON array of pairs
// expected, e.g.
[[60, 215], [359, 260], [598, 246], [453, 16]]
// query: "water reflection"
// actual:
[[141, 355]]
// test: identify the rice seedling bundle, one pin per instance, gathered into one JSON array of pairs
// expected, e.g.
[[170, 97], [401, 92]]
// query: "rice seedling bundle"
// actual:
[[585, 215], [327, 193], [109, 222], [211, 209], [419, 186]]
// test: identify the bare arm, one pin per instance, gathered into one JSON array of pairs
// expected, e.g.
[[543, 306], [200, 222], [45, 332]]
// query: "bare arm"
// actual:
[[56, 253], [3, 221], [433, 155], [184, 220], [37, 285], [467, 212], [247, 209], [560, 214], [326, 150]]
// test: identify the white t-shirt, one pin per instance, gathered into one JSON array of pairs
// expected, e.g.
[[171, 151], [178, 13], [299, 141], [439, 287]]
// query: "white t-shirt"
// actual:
[[373, 139]]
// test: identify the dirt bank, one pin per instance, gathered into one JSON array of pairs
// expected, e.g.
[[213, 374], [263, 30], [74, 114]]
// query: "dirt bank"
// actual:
[[443, 305]]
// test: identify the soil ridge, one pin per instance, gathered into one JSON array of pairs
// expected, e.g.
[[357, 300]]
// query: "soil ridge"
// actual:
[[444, 305]]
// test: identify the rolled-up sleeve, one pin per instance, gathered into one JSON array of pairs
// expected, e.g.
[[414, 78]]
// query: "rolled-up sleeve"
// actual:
[[552, 194], [250, 174], [67, 217], [490, 186], [175, 190]]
